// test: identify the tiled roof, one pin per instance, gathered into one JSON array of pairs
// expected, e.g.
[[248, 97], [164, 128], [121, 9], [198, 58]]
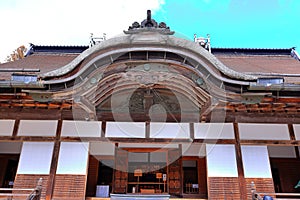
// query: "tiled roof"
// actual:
[[263, 64], [276, 61], [251, 51], [43, 62], [57, 49]]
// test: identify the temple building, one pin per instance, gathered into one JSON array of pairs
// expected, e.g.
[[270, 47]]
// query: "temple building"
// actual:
[[148, 112]]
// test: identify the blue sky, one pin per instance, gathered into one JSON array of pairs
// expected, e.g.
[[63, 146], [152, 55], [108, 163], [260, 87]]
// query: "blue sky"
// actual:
[[231, 23], [236, 23]]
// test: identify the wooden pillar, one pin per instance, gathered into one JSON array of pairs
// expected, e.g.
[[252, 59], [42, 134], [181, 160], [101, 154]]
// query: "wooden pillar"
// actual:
[[54, 161], [120, 171], [293, 137], [16, 127], [103, 129], [175, 171], [181, 170], [239, 161], [147, 134], [92, 176], [192, 131]]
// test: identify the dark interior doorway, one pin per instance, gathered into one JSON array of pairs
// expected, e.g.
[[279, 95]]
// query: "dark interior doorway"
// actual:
[[194, 177], [105, 174], [8, 169], [190, 176], [100, 172], [285, 172]]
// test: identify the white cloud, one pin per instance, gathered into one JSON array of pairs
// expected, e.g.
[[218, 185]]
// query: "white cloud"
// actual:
[[66, 22]]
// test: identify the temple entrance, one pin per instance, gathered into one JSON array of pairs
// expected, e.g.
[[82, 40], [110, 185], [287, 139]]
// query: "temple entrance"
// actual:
[[149, 171], [146, 172]]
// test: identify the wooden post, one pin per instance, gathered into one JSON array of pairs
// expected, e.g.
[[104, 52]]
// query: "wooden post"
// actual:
[[293, 137], [53, 167], [239, 161]]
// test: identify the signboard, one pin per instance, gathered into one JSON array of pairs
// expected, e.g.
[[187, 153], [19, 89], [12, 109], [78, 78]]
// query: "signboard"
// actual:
[[158, 175], [164, 177], [138, 172]]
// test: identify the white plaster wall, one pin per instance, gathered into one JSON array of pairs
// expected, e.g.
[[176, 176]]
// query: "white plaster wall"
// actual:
[[214, 131], [221, 161], [37, 128], [263, 131], [297, 131], [73, 158], [125, 129], [35, 158], [256, 162], [169, 130], [6, 127], [81, 128]]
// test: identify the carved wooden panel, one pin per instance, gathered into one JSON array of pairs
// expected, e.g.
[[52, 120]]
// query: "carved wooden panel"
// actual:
[[175, 172], [30, 181], [68, 186], [202, 177], [223, 188], [121, 171]]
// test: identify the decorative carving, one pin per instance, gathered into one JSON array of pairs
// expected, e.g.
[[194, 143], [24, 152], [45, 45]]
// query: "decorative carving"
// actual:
[[135, 25], [163, 25], [149, 24]]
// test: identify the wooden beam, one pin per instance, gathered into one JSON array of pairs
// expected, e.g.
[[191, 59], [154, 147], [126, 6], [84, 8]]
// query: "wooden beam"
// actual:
[[215, 141], [26, 138], [273, 117], [145, 150], [147, 134], [271, 142], [125, 140], [181, 169], [239, 161], [254, 117], [54, 161], [103, 129]]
